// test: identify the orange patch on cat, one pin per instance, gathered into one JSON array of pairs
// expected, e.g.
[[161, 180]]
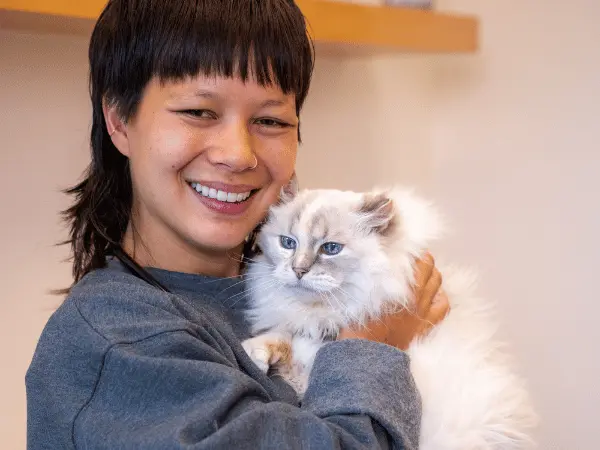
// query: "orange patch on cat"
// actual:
[[281, 352]]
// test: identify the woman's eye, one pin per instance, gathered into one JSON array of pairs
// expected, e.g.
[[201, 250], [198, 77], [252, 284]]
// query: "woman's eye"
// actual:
[[331, 248], [287, 242], [272, 123], [200, 113]]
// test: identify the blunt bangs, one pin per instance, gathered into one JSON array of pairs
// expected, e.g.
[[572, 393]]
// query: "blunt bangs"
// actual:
[[175, 39]]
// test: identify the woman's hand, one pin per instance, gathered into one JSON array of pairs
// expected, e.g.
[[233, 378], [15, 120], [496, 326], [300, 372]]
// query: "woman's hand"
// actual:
[[400, 328]]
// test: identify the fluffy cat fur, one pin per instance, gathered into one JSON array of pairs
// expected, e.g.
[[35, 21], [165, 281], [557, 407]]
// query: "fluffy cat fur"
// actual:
[[471, 398]]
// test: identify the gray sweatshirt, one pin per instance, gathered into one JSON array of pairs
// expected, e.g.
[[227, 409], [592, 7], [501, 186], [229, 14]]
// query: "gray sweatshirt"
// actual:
[[124, 365]]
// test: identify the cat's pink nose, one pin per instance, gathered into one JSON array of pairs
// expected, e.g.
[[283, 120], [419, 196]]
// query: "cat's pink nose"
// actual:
[[300, 271]]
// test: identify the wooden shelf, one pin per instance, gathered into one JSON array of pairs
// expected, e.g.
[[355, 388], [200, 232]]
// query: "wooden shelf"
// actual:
[[338, 26]]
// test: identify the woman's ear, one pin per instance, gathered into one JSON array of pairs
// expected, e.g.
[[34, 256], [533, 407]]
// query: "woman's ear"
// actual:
[[116, 127]]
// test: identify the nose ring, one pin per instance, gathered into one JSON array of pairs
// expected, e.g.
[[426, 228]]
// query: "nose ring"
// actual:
[[255, 164]]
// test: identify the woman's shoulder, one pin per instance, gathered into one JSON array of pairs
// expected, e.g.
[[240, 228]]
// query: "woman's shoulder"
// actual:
[[121, 308]]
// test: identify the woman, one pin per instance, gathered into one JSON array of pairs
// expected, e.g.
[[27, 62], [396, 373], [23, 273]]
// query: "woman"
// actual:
[[194, 100]]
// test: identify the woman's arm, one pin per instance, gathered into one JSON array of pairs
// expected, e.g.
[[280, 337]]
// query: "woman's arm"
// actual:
[[174, 391]]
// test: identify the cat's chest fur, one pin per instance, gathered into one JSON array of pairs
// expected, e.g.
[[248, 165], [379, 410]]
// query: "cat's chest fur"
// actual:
[[311, 316]]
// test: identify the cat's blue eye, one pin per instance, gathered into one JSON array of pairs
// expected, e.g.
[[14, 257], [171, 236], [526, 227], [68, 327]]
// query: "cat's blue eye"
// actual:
[[287, 242], [331, 248]]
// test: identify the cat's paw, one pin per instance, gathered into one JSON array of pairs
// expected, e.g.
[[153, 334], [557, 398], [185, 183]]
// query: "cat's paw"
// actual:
[[268, 349], [258, 353]]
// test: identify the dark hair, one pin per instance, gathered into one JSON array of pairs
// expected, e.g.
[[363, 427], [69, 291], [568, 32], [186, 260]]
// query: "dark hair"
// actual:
[[136, 40]]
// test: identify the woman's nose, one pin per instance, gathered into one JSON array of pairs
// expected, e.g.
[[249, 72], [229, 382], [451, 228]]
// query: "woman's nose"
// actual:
[[234, 149]]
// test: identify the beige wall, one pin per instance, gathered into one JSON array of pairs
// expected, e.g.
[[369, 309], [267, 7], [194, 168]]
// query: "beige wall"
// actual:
[[517, 163], [43, 130], [367, 120], [504, 140]]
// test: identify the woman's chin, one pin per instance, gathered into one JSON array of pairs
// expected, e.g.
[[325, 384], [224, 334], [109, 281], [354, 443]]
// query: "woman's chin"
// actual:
[[221, 240]]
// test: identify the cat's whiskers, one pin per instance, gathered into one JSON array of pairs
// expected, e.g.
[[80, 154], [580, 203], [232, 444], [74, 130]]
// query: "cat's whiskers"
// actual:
[[415, 314], [245, 259], [243, 295], [326, 299], [241, 275], [266, 271], [262, 281], [246, 278], [374, 317], [344, 310], [261, 262], [263, 265], [348, 295], [332, 325], [245, 292], [339, 303], [216, 280]]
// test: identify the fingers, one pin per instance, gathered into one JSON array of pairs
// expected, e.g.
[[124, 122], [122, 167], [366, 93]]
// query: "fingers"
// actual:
[[428, 281], [432, 286], [440, 308], [423, 270]]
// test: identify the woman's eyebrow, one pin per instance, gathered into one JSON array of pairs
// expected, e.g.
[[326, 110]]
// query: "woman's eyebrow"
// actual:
[[206, 94], [210, 95], [273, 102], [199, 93]]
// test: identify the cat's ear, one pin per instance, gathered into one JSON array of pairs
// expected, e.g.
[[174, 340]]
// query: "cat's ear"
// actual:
[[290, 190], [377, 212]]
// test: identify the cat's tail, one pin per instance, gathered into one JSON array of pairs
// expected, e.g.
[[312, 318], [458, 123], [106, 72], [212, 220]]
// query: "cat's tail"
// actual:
[[472, 399]]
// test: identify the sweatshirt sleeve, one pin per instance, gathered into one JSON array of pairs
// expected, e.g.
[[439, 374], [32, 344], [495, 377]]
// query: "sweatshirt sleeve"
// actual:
[[174, 391]]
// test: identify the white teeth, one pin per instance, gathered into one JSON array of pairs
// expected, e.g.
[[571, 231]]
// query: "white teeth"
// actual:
[[222, 196]]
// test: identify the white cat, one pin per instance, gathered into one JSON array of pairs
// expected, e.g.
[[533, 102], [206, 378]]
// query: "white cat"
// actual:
[[333, 258]]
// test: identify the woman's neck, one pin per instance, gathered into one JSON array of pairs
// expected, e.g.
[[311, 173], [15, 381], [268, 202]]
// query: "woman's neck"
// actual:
[[176, 257]]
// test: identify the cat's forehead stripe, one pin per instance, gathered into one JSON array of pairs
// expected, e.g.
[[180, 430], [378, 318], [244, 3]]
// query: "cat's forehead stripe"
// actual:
[[313, 220], [297, 215], [317, 227]]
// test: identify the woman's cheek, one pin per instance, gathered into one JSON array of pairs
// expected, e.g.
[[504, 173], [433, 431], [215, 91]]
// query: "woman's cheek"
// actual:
[[282, 160], [174, 143]]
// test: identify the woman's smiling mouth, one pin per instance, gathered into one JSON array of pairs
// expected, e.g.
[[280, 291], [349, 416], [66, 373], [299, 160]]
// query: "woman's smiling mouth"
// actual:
[[221, 195], [222, 198]]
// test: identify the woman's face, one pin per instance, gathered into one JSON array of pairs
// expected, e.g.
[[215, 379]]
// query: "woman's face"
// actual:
[[201, 138]]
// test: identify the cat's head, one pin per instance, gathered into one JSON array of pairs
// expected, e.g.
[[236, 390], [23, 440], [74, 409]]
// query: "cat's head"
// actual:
[[326, 241]]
